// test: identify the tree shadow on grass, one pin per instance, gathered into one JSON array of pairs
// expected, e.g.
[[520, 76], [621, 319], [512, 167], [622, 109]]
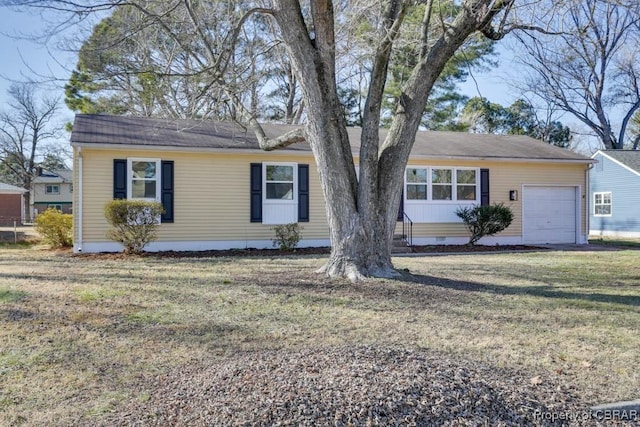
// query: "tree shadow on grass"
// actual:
[[542, 291]]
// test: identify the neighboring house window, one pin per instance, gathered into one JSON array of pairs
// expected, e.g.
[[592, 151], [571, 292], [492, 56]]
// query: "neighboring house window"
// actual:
[[52, 189], [417, 184], [144, 179], [54, 206], [602, 204]]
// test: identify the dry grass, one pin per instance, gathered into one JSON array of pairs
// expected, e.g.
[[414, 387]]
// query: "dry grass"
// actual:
[[80, 335]]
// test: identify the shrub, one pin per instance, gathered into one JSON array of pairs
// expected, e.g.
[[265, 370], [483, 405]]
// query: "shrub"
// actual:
[[55, 228], [485, 220], [134, 222], [287, 236]]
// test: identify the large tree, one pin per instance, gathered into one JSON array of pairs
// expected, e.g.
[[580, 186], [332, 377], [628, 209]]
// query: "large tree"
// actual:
[[27, 125], [361, 211], [589, 66], [144, 59], [520, 118]]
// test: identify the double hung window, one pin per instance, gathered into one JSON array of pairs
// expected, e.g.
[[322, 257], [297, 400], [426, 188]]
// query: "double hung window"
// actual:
[[144, 179], [441, 184], [466, 184], [279, 180], [602, 204], [417, 184], [52, 189]]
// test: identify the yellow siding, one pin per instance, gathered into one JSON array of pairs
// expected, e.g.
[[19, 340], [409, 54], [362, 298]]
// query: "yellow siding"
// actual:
[[504, 177], [211, 196]]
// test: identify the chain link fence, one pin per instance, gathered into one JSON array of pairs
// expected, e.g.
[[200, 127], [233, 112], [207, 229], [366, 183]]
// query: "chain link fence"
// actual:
[[12, 229]]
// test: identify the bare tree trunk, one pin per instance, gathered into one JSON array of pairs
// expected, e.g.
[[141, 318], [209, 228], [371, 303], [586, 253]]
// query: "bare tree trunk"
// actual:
[[362, 215]]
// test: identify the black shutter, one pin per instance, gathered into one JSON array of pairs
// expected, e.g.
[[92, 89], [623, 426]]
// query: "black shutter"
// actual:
[[256, 192], [119, 178], [484, 187], [303, 193], [401, 207], [166, 190]]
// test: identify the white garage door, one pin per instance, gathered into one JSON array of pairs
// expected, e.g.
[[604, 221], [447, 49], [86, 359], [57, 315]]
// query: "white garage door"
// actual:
[[549, 215]]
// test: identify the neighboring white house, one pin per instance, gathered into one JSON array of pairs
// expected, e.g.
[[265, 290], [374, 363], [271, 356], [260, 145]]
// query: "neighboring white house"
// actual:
[[52, 189]]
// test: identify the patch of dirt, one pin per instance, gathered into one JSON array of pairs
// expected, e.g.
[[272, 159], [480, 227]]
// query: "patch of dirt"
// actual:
[[270, 253], [471, 249], [19, 236], [350, 386]]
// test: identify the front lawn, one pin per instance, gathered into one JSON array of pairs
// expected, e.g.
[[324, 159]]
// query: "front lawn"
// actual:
[[82, 337]]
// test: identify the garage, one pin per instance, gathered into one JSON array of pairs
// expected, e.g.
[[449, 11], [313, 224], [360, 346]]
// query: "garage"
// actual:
[[549, 215], [11, 204]]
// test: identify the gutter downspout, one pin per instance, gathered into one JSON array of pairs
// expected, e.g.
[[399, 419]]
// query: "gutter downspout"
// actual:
[[23, 217], [79, 208], [587, 202]]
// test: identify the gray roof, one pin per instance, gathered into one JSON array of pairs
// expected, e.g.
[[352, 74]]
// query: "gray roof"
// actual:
[[629, 158], [90, 129], [8, 188], [58, 175]]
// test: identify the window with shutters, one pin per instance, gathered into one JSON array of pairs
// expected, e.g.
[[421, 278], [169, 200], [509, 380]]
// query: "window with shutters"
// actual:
[[279, 182], [280, 193], [143, 177]]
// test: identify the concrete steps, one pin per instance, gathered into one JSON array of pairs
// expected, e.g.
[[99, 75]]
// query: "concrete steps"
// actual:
[[399, 245]]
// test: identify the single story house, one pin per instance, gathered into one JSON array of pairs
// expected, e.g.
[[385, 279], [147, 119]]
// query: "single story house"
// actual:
[[221, 191], [11, 204], [614, 183], [51, 189]]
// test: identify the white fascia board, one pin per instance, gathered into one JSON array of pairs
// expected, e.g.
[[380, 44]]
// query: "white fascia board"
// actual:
[[147, 148], [307, 154], [616, 162]]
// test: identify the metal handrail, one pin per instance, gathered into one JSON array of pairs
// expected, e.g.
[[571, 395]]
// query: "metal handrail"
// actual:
[[407, 225]]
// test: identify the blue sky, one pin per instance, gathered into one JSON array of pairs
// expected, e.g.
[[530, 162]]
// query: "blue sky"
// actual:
[[21, 59]]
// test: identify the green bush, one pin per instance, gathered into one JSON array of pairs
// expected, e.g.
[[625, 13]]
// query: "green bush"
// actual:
[[134, 222], [287, 236], [55, 227], [485, 220]]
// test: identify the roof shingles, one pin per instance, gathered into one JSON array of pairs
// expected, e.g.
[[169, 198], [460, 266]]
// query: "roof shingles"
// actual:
[[629, 158], [91, 129]]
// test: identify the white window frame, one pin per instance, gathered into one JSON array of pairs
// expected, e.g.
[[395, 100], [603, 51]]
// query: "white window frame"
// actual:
[[158, 180], [52, 186], [610, 204], [54, 206], [279, 211], [454, 185], [451, 184], [425, 184], [294, 199]]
